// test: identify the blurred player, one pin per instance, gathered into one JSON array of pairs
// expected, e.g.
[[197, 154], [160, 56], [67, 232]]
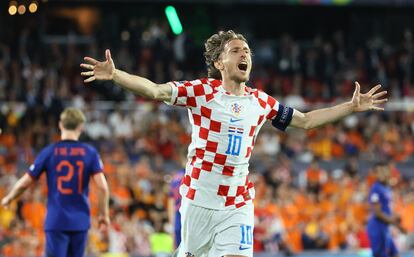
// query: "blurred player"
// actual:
[[69, 165], [380, 198], [226, 116], [174, 203]]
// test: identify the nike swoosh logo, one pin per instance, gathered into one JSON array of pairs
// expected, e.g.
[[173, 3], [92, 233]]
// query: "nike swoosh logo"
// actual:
[[241, 248], [234, 120]]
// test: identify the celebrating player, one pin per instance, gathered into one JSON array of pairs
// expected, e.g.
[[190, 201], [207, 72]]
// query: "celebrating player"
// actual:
[[226, 116], [380, 198], [68, 164]]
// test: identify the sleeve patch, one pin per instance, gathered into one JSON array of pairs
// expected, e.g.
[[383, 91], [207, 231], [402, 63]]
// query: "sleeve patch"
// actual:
[[374, 198]]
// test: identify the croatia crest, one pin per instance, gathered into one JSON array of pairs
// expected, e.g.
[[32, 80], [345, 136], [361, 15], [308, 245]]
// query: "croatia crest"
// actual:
[[236, 108]]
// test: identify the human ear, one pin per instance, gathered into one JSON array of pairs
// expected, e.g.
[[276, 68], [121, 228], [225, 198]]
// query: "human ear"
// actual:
[[219, 64]]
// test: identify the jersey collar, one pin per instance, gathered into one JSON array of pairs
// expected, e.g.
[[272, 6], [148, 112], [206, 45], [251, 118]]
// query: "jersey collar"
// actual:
[[247, 91]]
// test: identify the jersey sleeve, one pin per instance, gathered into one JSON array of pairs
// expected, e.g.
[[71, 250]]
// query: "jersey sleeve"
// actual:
[[189, 93], [280, 115], [39, 165], [374, 196], [97, 164]]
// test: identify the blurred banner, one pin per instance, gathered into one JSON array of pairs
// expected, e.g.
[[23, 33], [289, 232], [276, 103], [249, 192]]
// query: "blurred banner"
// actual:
[[287, 2]]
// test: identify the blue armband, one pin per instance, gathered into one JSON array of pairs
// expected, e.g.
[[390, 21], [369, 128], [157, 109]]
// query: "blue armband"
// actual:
[[283, 117]]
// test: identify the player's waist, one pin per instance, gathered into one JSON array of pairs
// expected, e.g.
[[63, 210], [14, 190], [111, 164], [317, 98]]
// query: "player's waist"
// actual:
[[213, 204], [212, 185], [217, 175], [216, 166], [220, 156], [373, 220], [208, 198]]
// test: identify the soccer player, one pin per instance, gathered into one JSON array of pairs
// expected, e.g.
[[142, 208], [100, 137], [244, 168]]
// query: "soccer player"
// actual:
[[380, 197], [226, 116], [174, 203], [69, 165]]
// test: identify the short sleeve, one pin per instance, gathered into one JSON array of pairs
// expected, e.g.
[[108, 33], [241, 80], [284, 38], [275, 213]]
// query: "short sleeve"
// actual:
[[174, 93], [97, 164], [374, 197], [39, 165], [190, 93]]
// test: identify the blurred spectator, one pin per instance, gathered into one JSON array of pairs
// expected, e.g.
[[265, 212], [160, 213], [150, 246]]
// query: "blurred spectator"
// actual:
[[141, 142], [315, 177]]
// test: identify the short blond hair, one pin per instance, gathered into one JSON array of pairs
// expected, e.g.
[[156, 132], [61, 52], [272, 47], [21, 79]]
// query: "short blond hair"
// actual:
[[215, 46], [71, 118]]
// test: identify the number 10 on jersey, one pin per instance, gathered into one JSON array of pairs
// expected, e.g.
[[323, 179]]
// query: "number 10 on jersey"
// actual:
[[234, 145]]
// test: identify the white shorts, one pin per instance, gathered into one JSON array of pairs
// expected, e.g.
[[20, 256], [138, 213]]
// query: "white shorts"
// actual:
[[215, 233]]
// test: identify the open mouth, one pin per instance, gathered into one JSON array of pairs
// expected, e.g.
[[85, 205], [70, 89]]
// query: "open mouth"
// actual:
[[242, 66]]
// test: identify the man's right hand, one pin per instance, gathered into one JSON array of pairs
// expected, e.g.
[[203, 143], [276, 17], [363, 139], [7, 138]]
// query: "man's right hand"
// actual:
[[104, 223], [402, 229], [98, 70], [5, 201], [397, 223]]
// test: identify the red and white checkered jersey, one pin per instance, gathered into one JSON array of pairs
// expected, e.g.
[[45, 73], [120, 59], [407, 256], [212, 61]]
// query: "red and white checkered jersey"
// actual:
[[224, 128]]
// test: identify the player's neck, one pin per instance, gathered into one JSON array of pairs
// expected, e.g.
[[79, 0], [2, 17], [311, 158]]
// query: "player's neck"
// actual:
[[233, 87], [69, 135]]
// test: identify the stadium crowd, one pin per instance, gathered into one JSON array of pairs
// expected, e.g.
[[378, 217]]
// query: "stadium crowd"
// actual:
[[142, 143]]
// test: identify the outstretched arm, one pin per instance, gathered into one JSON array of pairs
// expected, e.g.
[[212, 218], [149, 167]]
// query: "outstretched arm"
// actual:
[[359, 103], [21, 185], [103, 200], [141, 86]]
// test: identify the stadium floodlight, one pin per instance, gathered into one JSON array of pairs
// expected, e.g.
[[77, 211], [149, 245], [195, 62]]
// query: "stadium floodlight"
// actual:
[[33, 7], [21, 9], [173, 19], [12, 9]]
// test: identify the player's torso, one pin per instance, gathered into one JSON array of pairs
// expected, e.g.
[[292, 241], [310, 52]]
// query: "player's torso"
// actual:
[[385, 199], [68, 168], [227, 125], [68, 171], [223, 134]]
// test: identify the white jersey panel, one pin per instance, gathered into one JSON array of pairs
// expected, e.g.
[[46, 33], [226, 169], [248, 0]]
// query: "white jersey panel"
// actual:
[[224, 129]]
